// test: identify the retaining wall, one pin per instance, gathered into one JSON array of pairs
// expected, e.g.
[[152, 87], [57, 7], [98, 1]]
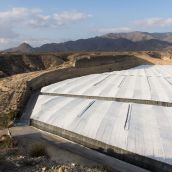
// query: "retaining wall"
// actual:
[[116, 152]]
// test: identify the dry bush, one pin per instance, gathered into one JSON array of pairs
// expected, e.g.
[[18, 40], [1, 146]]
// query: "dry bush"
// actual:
[[7, 142], [37, 150]]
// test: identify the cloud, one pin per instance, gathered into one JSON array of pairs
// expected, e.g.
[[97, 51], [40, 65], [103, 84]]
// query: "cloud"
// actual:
[[57, 19], [67, 17], [113, 30], [35, 18], [155, 22], [11, 21], [3, 41]]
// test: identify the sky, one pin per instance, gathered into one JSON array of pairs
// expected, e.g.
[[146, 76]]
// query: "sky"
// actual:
[[45, 21]]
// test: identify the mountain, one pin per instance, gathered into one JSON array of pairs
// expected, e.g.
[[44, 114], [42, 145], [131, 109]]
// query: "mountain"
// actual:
[[132, 36], [140, 36], [22, 48], [132, 41]]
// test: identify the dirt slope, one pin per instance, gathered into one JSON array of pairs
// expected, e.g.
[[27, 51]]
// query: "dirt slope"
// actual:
[[11, 64]]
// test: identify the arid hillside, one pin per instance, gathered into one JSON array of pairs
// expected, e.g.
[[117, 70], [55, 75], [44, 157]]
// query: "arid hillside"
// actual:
[[11, 64], [27, 73]]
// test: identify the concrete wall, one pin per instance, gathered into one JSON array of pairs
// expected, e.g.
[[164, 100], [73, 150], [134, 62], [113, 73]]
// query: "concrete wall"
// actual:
[[116, 152]]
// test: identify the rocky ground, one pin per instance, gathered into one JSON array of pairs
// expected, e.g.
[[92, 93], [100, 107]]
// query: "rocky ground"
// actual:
[[15, 157], [35, 150], [18, 162]]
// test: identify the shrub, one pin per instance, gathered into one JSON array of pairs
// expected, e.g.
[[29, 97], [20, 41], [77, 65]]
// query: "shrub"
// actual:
[[37, 150], [6, 142]]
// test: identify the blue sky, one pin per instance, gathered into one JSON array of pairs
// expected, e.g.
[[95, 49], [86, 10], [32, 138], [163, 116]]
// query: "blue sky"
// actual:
[[44, 21]]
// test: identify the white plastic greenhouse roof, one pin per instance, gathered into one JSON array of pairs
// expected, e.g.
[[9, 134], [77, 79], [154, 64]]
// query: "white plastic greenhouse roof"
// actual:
[[147, 132], [142, 128], [144, 83]]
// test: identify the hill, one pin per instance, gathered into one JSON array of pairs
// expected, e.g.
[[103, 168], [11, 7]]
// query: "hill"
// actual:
[[141, 36], [22, 48], [132, 41]]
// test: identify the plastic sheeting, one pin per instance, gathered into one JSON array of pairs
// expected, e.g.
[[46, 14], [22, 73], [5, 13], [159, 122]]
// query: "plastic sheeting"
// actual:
[[147, 82], [142, 129]]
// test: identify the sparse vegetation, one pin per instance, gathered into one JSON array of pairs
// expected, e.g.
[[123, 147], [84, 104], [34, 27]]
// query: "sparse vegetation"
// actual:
[[5, 141], [17, 159]]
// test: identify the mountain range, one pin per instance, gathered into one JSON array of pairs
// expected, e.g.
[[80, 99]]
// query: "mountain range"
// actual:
[[131, 41]]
